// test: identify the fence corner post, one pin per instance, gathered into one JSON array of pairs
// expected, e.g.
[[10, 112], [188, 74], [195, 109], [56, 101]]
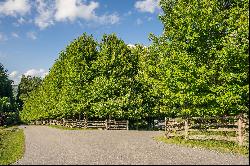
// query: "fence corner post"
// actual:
[[127, 124], [240, 133], [106, 124]]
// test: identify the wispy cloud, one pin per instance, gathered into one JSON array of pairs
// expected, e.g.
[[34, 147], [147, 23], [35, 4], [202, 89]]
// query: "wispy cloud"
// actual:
[[13, 74], [74, 9], [21, 20], [34, 72], [14, 77], [138, 21], [131, 45], [127, 13], [48, 12], [45, 14], [14, 7], [15, 35], [3, 37], [31, 35], [150, 6]]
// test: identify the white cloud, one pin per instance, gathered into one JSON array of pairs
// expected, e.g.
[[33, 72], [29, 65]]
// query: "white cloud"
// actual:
[[21, 20], [14, 7], [31, 35], [48, 12], [13, 74], [149, 18], [147, 5], [72, 9], [15, 77], [15, 35], [45, 14], [80, 24], [3, 37], [105, 19], [131, 45], [128, 13], [38, 73], [138, 21]]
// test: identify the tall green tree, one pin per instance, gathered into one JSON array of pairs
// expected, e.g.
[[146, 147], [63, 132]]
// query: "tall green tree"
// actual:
[[7, 102], [116, 67], [64, 90], [199, 65], [26, 85], [5, 84]]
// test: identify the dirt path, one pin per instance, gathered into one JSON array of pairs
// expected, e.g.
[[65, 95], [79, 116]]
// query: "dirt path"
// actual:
[[45, 145]]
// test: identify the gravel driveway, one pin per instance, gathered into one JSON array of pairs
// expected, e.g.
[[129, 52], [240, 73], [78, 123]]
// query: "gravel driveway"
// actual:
[[45, 145]]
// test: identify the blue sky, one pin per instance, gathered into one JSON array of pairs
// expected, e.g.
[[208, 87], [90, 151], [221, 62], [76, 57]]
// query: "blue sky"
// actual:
[[33, 32]]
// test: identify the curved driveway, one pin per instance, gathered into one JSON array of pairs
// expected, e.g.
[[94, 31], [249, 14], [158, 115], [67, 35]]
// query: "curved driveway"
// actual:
[[45, 145]]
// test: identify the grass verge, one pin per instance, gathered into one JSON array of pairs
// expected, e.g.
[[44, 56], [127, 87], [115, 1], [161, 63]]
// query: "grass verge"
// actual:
[[68, 128], [221, 146], [11, 145]]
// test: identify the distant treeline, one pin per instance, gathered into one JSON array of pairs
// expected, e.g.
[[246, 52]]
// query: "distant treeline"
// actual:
[[199, 66]]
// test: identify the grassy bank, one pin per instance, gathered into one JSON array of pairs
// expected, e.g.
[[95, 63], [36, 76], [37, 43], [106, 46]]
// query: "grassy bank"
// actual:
[[11, 145], [68, 128], [221, 146]]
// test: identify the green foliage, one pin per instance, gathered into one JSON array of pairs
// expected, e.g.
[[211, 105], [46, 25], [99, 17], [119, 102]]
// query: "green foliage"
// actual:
[[11, 145], [5, 84], [5, 105], [197, 67], [6, 95], [97, 80], [8, 114], [26, 85], [221, 146]]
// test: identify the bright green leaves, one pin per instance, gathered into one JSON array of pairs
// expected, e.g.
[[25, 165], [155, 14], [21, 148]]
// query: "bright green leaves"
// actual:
[[26, 85], [7, 103], [201, 60], [198, 67], [88, 78]]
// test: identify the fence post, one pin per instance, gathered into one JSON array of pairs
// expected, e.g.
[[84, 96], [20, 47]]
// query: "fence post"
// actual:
[[106, 124], [127, 124], [186, 129], [240, 133], [165, 125], [85, 122]]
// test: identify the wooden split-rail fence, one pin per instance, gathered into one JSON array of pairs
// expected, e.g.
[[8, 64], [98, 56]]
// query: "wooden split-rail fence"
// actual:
[[230, 128], [105, 125]]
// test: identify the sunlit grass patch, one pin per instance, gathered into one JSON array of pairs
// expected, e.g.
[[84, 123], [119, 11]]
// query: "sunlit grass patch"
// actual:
[[222, 146], [11, 145]]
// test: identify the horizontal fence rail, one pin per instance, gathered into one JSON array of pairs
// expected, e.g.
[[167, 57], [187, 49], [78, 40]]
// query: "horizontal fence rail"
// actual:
[[105, 125], [216, 128]]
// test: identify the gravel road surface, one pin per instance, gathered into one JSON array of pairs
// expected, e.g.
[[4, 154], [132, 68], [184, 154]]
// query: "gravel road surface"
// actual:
[[45, 145]]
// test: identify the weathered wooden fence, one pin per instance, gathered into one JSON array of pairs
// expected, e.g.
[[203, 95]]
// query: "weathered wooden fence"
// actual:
[[106, 125], [230, 128]]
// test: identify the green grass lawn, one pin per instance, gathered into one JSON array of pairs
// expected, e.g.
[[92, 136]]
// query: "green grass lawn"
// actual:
[[222, 146], [222, 133], [11, 145], [68, 128]]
